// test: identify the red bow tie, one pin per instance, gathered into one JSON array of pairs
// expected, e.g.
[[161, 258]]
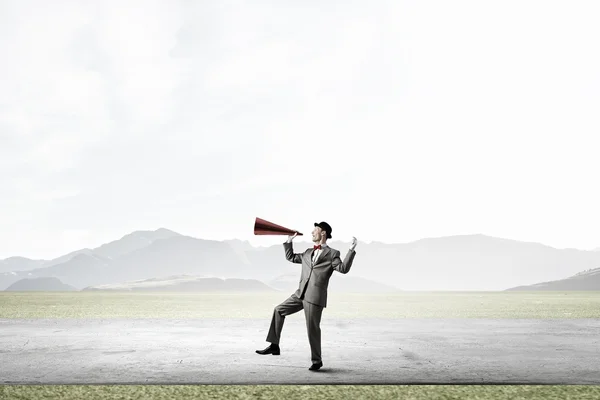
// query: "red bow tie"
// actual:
[[317, 247]]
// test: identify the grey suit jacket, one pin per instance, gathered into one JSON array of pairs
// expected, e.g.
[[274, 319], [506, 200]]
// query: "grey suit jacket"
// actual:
[[315, 278]]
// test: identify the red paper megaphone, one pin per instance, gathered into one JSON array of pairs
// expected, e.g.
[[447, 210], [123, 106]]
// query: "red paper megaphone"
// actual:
[[262, 227]]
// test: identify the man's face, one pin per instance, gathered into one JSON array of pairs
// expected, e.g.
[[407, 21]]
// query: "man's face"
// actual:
[[317, 233]]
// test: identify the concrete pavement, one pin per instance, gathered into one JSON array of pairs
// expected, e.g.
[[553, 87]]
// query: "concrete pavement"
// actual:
[[355, 351]]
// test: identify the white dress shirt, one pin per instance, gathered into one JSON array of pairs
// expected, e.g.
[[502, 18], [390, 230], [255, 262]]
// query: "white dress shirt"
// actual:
[[318, 252]]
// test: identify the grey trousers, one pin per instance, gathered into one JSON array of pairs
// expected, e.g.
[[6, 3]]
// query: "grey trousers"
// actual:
[[312, 314]]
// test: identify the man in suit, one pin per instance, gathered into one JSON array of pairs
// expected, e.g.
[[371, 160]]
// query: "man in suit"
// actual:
[[318, 264]]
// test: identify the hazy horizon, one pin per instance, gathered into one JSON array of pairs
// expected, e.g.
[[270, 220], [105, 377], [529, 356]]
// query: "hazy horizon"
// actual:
[[269, 241], [393, 121]]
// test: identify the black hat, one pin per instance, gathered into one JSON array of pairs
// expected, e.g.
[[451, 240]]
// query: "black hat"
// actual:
[[326, 227]]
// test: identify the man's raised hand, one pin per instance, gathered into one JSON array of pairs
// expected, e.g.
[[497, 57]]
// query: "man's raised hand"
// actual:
[[354, 243], [290, 238]]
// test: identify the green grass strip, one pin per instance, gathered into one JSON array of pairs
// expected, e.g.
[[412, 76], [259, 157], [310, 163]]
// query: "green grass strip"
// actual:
[[542, 305], [304, 392]]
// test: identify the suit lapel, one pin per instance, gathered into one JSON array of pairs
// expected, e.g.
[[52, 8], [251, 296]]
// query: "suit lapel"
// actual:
[[309, 255], [324, 252]]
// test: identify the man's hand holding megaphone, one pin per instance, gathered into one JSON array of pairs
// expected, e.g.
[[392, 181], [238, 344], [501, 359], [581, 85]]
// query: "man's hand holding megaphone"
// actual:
[[290, 237]]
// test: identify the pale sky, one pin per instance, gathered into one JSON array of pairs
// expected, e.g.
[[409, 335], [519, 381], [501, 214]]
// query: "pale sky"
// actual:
[[393, 121]]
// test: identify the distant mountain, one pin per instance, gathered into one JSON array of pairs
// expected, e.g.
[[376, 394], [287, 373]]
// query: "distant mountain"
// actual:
[[242, 245], [240, 248], [173, 255], [338, 283], [468, 262], [187, 283], [66, 257], [19, 264], [128, 243], [133, 241], [584, 281], [77, 271], [465, 262], [83, 267], [48, 284], [178, 255]]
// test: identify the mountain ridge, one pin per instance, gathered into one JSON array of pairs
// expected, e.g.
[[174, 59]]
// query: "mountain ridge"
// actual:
[[460, 262], [587, 280]]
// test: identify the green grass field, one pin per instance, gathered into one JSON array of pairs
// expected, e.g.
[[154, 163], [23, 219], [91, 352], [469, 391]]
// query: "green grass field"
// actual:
[[304, 392], [340, 305], [546, 305]]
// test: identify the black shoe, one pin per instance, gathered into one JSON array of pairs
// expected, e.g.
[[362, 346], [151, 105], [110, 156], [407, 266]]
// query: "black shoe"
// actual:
[[272, 349], [315, 367]]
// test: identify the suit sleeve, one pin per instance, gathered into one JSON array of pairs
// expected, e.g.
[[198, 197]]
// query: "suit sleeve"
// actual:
[[343, 266], [289, 254]]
